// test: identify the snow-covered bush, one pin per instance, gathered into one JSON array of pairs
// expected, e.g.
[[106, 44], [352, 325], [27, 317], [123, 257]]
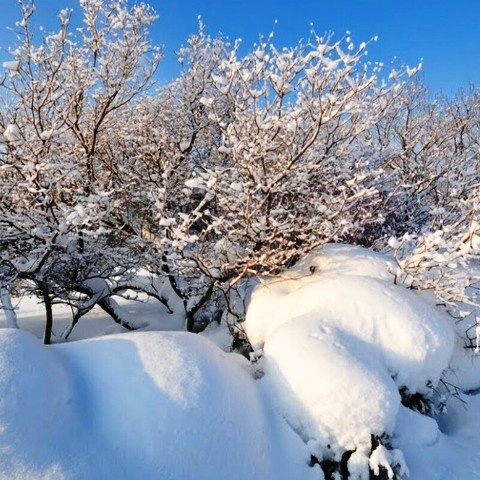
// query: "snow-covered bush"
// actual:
[[338, 345], [434, 160]]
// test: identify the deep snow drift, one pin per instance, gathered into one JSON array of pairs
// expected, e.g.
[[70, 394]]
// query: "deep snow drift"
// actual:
[[143, 405], [338, 340]]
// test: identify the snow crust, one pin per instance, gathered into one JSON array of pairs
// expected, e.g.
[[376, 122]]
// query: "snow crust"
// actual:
[[153, 405], [339, 339]]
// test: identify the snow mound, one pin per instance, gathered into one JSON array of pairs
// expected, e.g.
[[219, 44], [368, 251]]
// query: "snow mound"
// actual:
[[339, 340], [142, 405], [345, 260], [344, 395]]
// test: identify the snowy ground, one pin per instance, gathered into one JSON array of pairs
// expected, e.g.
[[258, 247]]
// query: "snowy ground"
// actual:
[[97, 322], [335, 339], [146, 405]]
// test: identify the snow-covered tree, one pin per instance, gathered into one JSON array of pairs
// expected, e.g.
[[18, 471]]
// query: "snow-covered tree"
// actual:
[[267, 160], [61, 97], [238, 168], [434, 171]]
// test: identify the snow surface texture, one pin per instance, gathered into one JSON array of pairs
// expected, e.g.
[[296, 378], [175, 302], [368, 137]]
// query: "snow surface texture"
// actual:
[[339, 339], [144, 405], [338, 342], [448, 453]]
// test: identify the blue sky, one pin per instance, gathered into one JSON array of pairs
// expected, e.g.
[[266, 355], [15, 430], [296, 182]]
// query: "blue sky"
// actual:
[[445, 33]]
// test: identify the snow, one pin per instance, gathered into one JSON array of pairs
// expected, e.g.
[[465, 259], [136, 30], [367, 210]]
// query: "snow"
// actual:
[[381, 457], [339, 341], [167, 222], [12, 65], [335, 340], [451, 454], [139, 309], [352, 291], [464, 368], [195, 182], [12, 133], [138, 405], [351, 396], [219, 335]]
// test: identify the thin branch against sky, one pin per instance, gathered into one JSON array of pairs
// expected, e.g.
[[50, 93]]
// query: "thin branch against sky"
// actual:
[[446, 35]]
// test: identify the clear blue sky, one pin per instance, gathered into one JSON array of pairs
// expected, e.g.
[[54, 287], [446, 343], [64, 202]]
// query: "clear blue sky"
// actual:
[[445, 33]]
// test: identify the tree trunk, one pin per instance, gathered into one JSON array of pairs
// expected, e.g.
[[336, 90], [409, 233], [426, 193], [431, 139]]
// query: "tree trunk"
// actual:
[[6, 304], [47, 337], [190, 312]]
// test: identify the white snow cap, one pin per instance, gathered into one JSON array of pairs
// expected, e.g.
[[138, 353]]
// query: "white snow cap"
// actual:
[[12, 65], [12, 133]]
